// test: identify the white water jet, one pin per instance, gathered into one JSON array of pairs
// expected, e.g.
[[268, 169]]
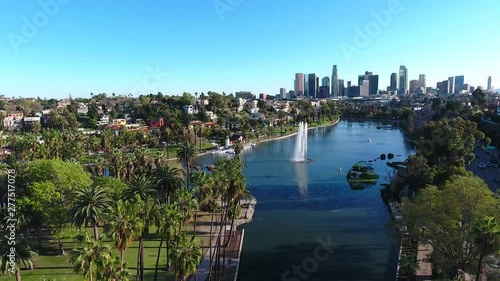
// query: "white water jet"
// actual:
[[300, 152]]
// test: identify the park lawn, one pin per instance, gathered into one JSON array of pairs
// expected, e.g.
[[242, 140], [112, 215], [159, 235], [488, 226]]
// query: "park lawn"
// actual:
[[48, 266]]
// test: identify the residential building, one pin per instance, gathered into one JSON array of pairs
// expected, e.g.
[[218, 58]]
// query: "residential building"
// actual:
[[82, 109], [190, 109], [403, 80], [30, 121]]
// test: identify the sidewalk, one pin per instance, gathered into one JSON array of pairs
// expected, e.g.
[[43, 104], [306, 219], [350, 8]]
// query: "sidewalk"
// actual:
[[424, 273]]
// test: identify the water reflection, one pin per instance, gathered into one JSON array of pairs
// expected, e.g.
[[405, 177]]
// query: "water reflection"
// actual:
[[301, 177]]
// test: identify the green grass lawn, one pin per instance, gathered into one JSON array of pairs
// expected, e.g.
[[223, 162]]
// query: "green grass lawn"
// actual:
[[48, 266]]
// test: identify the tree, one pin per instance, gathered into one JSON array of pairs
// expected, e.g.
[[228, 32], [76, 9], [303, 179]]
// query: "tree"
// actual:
[[486, 233], [186, 257], [22, 255], [92, 258], [124, 225], [148, 214], [90, 207], [169, 180], [186, 154], [408, 265], [444, 218], [140, 185], [169, 222]]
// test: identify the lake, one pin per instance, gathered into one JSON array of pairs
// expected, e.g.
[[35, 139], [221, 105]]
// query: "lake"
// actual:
[[309, 224]]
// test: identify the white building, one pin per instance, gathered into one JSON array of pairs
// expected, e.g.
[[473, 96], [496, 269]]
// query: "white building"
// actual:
[[82, 108], [211, 115], [190, 109], [365, 89]]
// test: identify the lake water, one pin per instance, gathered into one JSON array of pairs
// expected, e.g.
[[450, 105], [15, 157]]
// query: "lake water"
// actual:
[[304, 206]]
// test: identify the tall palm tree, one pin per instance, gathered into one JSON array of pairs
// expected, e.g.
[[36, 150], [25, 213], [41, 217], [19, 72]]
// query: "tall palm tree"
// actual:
[[168, 224], [186, 257], [140, 185], [124, 225], [186, 154], [169, 180], [487, 239], [90, 207], [91, 258], [23, 255], [148, 213]]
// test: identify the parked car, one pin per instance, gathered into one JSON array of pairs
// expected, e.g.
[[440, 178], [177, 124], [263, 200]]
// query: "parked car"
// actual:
[[482, 165], [488, 164]]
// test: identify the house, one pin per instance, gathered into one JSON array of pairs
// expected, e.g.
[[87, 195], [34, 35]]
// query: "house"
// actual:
[[82, 109], [156, 123], [120, 122], [211, 115], [236, 138], [30, 121], [13, 120], [104, 120], [190, 109]]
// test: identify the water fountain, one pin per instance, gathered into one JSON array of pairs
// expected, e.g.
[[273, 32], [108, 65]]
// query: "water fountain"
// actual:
[[300, 152]]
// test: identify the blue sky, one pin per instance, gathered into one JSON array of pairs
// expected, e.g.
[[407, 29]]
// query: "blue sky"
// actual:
[[78, 46]]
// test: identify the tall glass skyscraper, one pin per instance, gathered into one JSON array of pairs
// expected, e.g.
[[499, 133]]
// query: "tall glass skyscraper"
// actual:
[[335, 82], [451, 85], [312, 85], [489, 84], [459, 83], [299, 84], [394, 82], [403, 80]]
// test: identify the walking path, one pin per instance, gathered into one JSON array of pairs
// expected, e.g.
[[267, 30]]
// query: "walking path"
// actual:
[[246, 215], [424, 273]]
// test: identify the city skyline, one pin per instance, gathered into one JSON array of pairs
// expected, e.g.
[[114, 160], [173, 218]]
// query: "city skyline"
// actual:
[[77, 47]]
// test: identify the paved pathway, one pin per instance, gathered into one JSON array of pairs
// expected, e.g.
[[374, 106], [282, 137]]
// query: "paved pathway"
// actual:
[[424, 273]]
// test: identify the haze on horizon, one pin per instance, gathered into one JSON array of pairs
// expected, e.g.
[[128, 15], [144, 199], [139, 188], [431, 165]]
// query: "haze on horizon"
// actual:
[[53, 48]]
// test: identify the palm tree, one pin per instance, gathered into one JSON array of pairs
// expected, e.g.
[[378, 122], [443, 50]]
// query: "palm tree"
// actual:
[[90, 207], [486, 234], [92, 258], [148, 213], [170, 220], [125, 225], [408, 265], [140, 185], [186, 257], [186, 154], [23, 255], [169, 180]]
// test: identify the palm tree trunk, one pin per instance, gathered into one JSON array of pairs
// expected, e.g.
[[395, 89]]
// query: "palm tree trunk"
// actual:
[[232, 223], [187, 175], [18, 274], [141, 258], [168, 247], [122, 255], [195, 218], [210, 237], [96, 232], [158, 258], [479, 267]]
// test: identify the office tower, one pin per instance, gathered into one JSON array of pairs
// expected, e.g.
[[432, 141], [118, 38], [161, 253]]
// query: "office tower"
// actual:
[[439, 87], [349, 84], [341, 87], [394, 82], [421, 82], [443, 87], [312, 85], [306, 85], [472, 89], [317, 86], [413, 87], [299, 84], [323, 92], [365, 89], [465, 87], [282, 93], [354, 91], [459, 83], [373, 84], [403, 79], [489, 84], [451, 85], [325, 81], [335, 82]]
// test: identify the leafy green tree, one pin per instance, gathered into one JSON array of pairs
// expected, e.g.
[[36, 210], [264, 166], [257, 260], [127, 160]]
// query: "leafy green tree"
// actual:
[[23, 255], [444, 218]]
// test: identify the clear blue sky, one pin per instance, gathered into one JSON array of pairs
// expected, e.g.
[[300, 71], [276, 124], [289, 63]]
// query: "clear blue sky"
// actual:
[[258, 45]]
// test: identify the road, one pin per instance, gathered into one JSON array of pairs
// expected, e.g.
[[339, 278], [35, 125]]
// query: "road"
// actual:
[[489, 173]]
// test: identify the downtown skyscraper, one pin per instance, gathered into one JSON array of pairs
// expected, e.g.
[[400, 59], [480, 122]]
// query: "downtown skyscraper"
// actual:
[[335, 82], [459, 84], [421, 83], [489, 88], [403, 80], [394, 82], [299, 84]]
